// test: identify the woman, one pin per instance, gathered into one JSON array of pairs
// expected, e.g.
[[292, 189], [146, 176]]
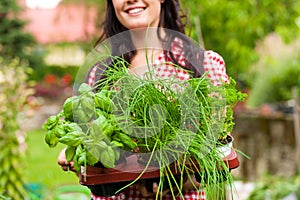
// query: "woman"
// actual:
[[166, 43]]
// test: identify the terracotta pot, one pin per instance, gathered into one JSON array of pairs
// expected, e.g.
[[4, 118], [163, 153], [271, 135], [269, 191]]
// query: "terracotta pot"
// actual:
[[107, 189], [98, 178]]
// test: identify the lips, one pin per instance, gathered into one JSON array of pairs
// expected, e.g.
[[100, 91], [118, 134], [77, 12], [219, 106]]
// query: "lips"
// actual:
[[135, 10]]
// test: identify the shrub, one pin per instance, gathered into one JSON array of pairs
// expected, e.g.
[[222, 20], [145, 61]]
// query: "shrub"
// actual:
[[13, 95], [274, 83]]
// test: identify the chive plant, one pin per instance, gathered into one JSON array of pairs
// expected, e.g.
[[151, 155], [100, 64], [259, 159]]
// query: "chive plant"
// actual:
[[171, 124], [176, 125]]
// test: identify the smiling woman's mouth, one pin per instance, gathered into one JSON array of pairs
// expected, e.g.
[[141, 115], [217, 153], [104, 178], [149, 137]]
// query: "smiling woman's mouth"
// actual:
[[135, 10]]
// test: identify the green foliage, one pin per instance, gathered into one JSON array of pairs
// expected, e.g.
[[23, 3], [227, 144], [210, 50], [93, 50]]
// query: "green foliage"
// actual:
[[13, 38], [163, 120], [13, 94], [275, 187], [274, 83], [233, 28], [4, 198], [7, 6], [76, 127], [40, 73], [14, 42]]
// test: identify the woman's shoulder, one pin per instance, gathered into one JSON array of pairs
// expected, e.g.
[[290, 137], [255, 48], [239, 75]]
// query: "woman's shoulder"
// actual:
[[215, 67], [212, 57], [96, 72]]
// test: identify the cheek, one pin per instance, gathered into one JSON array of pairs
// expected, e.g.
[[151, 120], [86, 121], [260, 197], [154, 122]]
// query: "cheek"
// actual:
[[156, 8], [117, 5]]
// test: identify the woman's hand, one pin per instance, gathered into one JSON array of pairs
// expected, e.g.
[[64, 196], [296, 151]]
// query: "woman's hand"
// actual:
[[191, 183], [62, 161]]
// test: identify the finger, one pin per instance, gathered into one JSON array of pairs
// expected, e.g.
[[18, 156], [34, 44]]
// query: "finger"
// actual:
[[143, 190], [156, 190], [155, 187], [63, 162], [71, 167], [65, 167]]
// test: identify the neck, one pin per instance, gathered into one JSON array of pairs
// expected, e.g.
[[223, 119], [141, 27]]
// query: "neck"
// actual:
[[146, 39]]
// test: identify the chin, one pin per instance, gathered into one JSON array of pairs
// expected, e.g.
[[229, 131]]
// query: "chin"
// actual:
[[140, 26], [137, 27]]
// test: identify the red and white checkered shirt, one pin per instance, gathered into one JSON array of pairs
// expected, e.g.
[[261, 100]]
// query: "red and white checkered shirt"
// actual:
[[133, 193], [214, 65]]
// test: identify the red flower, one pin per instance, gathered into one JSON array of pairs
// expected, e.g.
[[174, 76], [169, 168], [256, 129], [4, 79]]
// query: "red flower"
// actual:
[[50, 79], [66, 80]]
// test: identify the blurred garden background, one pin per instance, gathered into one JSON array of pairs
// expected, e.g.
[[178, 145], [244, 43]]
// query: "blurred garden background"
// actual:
[[43, 43]]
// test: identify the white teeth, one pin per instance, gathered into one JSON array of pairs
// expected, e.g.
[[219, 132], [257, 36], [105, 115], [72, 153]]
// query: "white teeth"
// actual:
[[135, 10]]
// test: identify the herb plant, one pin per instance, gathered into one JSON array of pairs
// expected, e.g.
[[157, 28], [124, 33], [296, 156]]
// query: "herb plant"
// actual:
[[168, 123]]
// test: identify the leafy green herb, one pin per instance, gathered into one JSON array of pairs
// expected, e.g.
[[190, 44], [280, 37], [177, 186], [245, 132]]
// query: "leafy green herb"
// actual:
[[166, 121]]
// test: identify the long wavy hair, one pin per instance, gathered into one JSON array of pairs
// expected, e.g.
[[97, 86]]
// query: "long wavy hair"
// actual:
[[172, 18]]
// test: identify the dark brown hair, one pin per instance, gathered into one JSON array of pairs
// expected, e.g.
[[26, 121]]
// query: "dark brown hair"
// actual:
[[172, 18]]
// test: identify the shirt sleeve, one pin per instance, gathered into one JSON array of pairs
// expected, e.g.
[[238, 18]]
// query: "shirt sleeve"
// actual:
[[91, 76], [95, 74], [214, 65]]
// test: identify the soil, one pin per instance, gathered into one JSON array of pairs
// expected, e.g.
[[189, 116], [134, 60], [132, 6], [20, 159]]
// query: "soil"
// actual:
[[226, 140]]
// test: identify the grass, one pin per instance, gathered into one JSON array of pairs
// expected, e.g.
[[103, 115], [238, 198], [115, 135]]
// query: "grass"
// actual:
[[41, 168]]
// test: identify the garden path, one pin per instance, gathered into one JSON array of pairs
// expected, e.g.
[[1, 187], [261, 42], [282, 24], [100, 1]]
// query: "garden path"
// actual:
[[41, 109]]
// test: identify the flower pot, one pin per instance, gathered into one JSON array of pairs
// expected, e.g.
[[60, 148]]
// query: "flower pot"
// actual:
[[108, 181], [105, 189], [224, 150], [132, 169]]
